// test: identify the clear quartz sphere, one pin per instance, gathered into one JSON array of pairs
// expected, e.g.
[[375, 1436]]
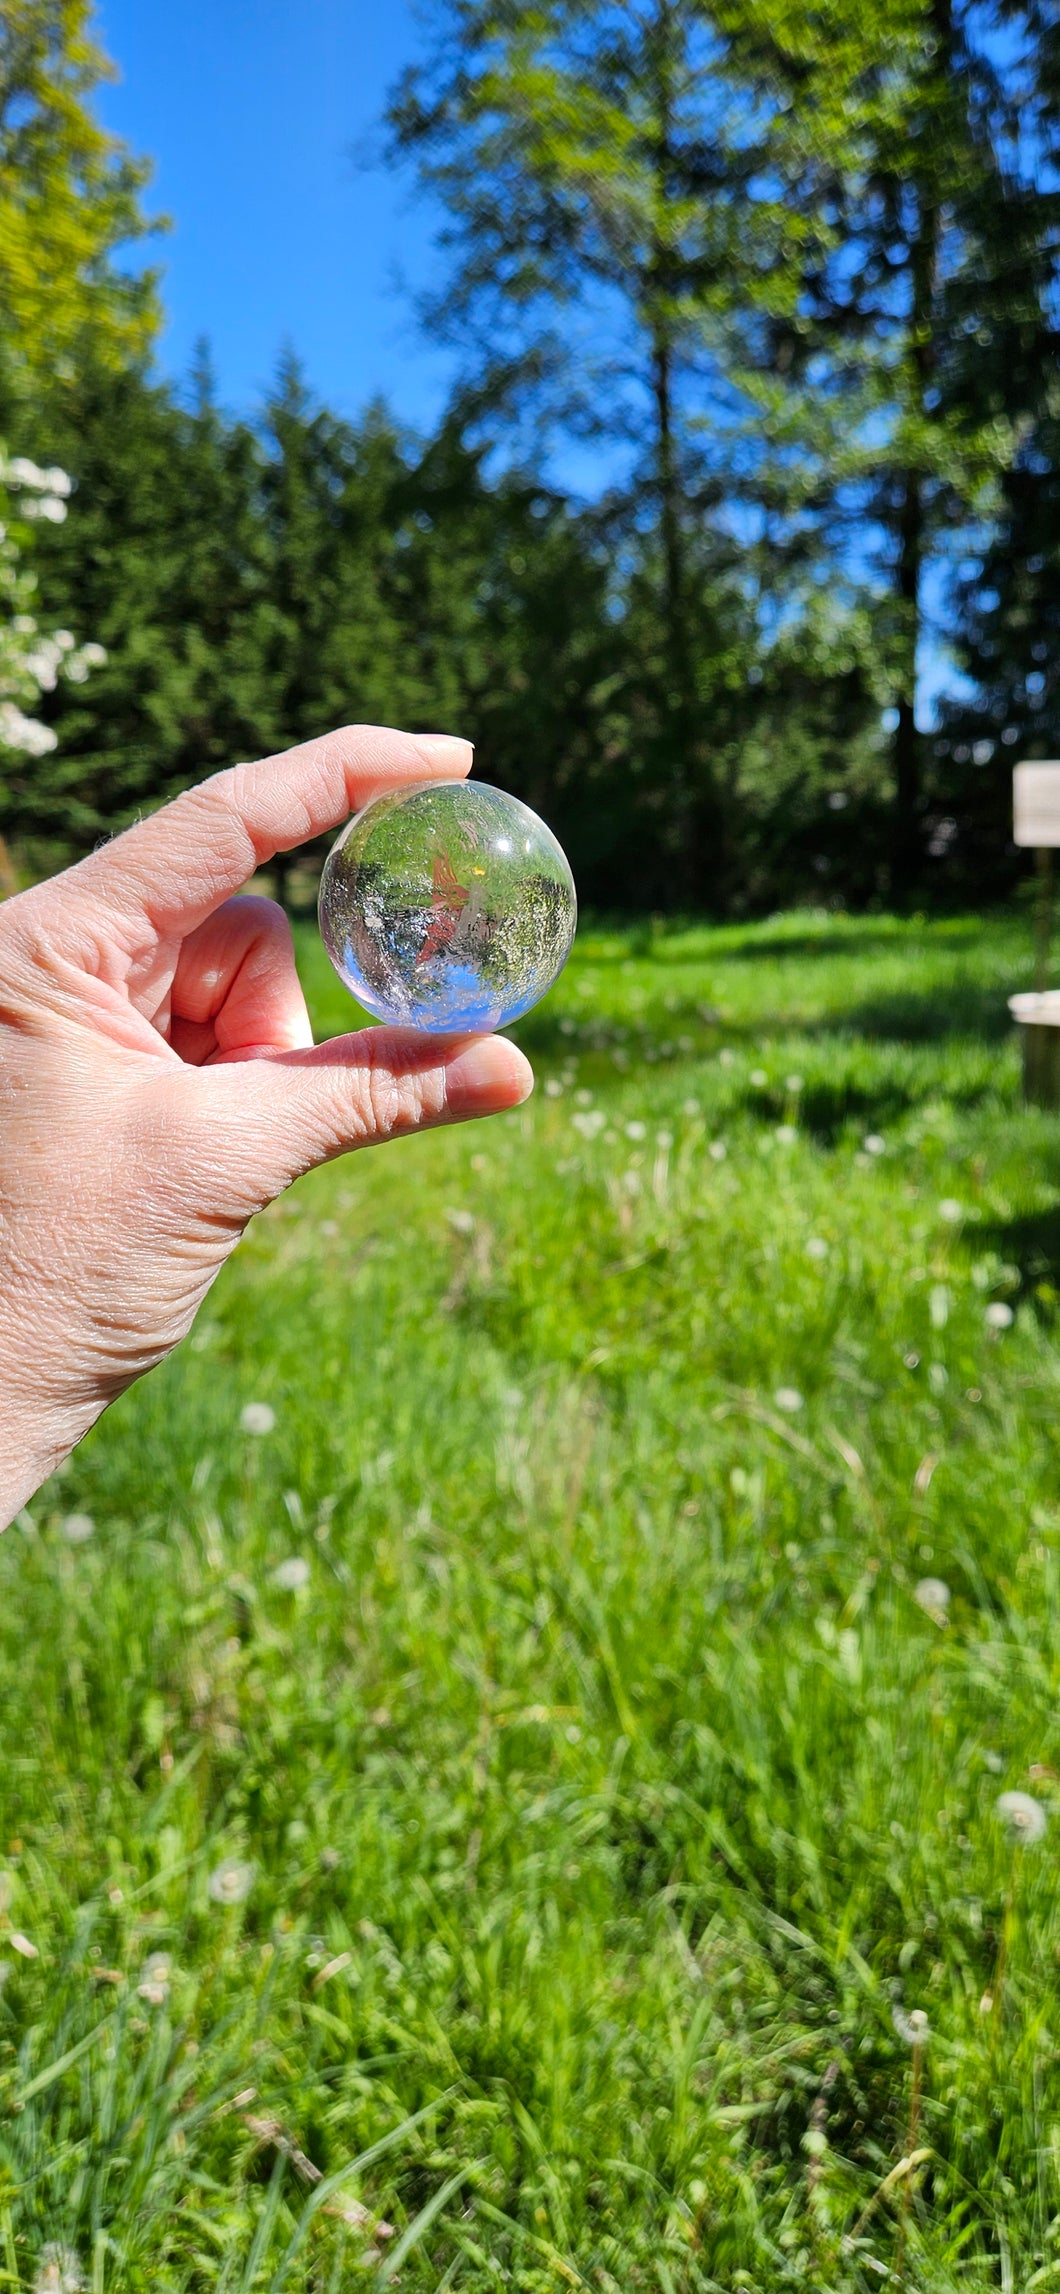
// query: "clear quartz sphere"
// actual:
[[447, 905]]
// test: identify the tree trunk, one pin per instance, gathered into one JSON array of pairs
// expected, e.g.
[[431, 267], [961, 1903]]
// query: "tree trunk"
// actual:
[[912, 515], [905, 853], [699, 862]]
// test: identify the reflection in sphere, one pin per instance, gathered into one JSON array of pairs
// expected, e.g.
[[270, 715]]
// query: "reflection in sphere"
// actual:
[[447, 906]]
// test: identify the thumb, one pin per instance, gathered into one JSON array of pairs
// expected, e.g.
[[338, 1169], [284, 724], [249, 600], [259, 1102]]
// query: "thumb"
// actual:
[[283, 1114]]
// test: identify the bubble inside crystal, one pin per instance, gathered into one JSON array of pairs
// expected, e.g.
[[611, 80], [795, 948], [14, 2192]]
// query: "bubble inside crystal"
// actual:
[[447, 905]]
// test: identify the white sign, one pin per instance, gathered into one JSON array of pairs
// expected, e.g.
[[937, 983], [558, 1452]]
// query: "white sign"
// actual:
[[1036, 804]]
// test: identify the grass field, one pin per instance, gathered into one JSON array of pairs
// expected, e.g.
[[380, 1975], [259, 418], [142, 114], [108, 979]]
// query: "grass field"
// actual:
[[519, 1818]]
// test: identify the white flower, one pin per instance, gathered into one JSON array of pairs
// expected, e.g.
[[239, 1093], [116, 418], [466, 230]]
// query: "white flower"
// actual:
[[94, 656], [56, 480], [78, 1528], [874, 1145], [18, 731], [951, 1210], [20, 471], [588, 1121], [786, 1134], [51, 507], [914, 2028], [998, 1315], [462, 1222], [933, 1595], [58, 2271], [793, 1083], [553, 1088], [154, 1982], [726, 1058], [690, 1107], [758, 1078], [718, 1150], [636, 1130], [664, 1138], [788, 1398], [291, 1574], [230, 1882], [583, 1098], [257, 1418], [817, 1248], [1024, 1816]]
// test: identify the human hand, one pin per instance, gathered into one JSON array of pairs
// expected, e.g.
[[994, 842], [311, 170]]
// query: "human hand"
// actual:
[[158, 1081]]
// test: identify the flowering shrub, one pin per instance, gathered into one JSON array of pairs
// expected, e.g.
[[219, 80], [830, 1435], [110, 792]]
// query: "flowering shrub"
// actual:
[[31, 661]]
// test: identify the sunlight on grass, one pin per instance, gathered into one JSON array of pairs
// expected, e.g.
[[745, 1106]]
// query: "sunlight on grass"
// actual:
[[504, 1732]]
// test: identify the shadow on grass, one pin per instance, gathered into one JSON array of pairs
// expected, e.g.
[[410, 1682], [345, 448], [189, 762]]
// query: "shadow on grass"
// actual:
[[964, 1008], [748, 943], [1032, 1245]]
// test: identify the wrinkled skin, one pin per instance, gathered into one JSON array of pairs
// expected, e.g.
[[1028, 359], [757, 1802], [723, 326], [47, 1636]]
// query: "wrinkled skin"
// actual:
[[159, 1083]]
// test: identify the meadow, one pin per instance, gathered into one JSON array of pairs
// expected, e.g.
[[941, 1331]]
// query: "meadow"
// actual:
[[503, 1735]]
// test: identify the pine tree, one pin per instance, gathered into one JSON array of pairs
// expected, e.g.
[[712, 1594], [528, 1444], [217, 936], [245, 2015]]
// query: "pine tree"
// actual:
[[607, 206], [933, 238]]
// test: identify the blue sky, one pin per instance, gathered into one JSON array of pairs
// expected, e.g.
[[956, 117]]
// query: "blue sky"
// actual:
[[249, 110]]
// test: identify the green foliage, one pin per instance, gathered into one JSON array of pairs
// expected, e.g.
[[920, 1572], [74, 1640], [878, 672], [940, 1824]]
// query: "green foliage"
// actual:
[[251, 585], [69, 197], [766, 248], [587, 1802]]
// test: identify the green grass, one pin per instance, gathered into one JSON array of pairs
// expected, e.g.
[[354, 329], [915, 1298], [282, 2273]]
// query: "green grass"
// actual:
[[604, 1789]]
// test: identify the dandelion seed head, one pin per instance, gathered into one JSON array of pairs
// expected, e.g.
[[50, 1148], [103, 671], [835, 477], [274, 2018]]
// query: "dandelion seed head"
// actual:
[[817, 1248], [951, 1210], [290, 1575], [636, 1130], [1024, 1816], [58, 2271], [154, 1981], [717, 1150], [793, 1083], [553, 1088], [913, 2027], [998, 1315], [78, 1528], [874, 1145], [231, 1881], [933, 1595], [257, 1418], [758, 1078], [786, 1134], [788, 1398]]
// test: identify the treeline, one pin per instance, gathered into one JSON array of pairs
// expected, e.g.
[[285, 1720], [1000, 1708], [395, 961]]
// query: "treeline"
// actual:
[[791, 272], [253, 584]]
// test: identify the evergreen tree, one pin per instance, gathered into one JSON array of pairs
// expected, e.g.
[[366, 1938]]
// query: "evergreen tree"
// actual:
[[164, 559], [933, 240], [608, 205]]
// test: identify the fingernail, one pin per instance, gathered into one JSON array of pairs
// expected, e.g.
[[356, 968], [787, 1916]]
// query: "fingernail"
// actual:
[[488, 1074], [445, 749]]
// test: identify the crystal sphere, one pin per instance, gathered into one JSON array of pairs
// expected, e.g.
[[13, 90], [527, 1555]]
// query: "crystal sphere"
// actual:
[[447, 905]]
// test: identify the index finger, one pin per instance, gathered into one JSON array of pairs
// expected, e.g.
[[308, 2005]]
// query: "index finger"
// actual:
[[173, 870]]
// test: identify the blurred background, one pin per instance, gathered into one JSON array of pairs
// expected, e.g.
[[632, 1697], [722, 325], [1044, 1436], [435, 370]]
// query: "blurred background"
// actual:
[[666, 397]]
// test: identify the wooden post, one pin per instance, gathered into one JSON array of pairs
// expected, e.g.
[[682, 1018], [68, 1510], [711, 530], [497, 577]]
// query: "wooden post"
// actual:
[[1036, 823], [1043, 861]]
